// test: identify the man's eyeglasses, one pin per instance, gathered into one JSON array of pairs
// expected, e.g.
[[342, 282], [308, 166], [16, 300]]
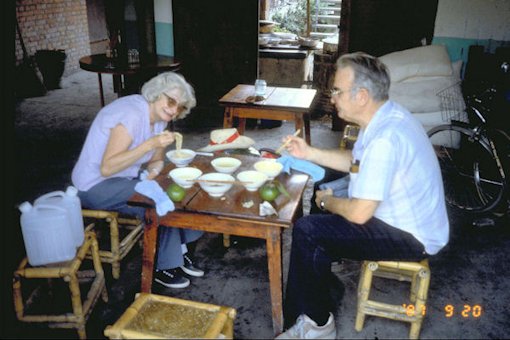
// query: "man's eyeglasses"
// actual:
[[337, 92], [171, 102]]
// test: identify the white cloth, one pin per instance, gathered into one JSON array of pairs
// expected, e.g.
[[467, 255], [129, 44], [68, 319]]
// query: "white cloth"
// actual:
[[151, 189]]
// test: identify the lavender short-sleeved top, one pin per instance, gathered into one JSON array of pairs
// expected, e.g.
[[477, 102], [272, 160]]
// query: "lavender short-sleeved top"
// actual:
[[133, 113]]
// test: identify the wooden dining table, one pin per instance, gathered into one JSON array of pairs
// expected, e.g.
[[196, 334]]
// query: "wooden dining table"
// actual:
[[279, 103], [120, 68], [227, 215]]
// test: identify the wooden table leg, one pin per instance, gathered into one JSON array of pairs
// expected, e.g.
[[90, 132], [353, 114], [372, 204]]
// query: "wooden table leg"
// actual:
[[299, 124], [241, 126], [274, 262], [101, 94], [308, 137], [228, 119], [150, 237]]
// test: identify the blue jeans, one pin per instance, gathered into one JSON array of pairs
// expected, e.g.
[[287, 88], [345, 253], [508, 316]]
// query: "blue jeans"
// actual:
[[113, 194], [318, 240]]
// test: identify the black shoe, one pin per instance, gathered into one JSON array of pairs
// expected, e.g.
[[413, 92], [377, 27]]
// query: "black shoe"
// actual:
[[189, 268], [171, 278]]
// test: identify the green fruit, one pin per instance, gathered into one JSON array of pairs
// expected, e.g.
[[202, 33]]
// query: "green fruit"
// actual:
[[269, 192], [175, 192]]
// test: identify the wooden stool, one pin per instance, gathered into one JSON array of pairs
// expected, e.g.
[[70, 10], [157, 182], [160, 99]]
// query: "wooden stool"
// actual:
[[118, 248], [418, 273], [68, 271], [153, 316]]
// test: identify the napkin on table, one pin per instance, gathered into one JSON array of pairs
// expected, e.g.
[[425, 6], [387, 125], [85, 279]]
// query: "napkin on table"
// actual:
[[289, 162], [151, 189]]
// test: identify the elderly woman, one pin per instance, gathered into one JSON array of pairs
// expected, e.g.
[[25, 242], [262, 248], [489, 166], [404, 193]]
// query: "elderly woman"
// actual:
[[126, 135]]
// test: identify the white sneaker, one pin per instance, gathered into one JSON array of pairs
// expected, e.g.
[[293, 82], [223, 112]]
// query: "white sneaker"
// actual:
[[306, 328]]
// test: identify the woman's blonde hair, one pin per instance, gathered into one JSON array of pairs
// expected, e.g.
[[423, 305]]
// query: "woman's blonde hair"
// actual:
[[168, 81]]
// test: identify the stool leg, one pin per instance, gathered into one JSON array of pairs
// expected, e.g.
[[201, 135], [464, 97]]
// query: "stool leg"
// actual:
[[363, 293], [114, 239], [226, 240], [74, 287], [423, 279]]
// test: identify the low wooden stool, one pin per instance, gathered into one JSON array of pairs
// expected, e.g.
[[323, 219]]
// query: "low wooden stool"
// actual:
[[118, 248], [153, 316], [69, 272], [418, 273]]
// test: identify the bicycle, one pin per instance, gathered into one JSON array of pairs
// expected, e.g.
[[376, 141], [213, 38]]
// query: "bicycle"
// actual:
[[474, 157]]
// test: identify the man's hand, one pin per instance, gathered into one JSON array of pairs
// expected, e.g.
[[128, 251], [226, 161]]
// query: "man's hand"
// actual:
[[322, 195]]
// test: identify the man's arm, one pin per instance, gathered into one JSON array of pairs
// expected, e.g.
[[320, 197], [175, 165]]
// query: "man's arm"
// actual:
[[356, 210]]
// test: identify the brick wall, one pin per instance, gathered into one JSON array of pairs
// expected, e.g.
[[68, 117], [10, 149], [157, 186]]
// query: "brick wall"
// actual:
[[52, 25]]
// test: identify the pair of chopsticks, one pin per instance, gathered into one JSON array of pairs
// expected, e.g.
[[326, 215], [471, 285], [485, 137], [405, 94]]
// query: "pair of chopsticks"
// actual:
[[219, 181], [287, 141]]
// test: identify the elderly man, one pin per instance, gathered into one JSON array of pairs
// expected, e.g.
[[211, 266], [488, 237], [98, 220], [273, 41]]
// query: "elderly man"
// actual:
[[395, 209]]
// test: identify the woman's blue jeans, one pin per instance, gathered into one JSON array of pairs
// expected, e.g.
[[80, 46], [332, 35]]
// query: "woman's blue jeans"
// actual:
[[320, 239], [113, 194]]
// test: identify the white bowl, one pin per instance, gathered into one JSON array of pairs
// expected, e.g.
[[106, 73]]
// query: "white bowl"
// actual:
[[270, 167], [185, 176], [181, 159], [254, 179], [216, 189], [226, 165]]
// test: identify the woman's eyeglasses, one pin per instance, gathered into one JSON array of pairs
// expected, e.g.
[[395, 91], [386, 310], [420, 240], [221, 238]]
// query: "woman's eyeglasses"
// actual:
[[171, 102]]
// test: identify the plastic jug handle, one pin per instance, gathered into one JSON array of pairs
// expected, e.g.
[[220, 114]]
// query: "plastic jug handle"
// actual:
[[50, 194], [47, 206]]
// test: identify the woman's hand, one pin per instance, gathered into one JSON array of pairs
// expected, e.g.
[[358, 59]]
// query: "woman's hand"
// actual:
[[162, 140], [296, 146]]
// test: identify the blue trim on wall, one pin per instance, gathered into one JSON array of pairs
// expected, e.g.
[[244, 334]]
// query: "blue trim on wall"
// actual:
[[458, 48], [164, 38]]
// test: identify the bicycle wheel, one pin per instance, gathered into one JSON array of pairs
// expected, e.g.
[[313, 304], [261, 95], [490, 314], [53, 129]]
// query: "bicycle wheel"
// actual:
[[472, 179]]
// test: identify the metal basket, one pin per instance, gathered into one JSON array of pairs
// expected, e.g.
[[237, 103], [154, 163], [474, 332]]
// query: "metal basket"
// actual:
[[453, 106]]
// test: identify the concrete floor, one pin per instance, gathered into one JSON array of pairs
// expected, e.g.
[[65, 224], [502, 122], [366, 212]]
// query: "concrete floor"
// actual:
[[471, 271]]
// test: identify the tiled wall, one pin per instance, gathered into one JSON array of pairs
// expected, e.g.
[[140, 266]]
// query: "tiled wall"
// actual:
[[54, 25]]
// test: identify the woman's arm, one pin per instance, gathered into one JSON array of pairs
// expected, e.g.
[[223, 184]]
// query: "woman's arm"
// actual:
[[117, 155], [155, 165]]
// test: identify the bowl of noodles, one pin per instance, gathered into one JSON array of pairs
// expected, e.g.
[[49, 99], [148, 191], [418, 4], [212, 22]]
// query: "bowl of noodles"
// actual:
[[181, 157]]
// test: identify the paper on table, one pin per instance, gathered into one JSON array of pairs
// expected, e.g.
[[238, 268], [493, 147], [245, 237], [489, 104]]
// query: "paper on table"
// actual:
[[266, 209]]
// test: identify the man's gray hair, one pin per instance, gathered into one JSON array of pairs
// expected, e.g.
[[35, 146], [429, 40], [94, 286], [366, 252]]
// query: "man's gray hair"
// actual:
[[369, 73], [168, 81]]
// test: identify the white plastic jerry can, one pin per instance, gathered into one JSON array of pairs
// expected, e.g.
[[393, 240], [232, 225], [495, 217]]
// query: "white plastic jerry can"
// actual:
[[46, 233], [70, 201]]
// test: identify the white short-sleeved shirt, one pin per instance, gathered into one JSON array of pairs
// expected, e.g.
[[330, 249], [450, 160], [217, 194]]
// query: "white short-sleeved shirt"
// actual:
[[398, 167], [133, 113]]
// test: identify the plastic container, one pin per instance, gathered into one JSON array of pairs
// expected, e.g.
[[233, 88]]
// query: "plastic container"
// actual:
[[71, 203], [46, 234]]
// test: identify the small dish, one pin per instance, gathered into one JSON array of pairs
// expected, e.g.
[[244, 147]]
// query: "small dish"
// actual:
[[226, 165], [181, 158], [185, 176], [252, 179], [216, 189], [270, 167]]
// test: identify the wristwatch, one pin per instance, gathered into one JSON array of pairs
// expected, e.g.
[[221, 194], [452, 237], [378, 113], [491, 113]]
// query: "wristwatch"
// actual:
[[322, 205]]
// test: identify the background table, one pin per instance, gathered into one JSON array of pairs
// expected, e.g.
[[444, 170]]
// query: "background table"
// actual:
[[200, 212], [280, 103], [120, 68]]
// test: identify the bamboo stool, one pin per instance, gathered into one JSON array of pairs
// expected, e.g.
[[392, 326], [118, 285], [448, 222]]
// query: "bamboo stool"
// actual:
[[118, 248], [69, 272], [418, 273], [153, 316]]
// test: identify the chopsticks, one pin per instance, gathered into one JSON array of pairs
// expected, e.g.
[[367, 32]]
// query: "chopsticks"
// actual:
[[219, 181], [287, 141]]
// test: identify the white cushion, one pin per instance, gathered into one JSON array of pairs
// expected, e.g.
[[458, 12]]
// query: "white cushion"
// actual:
[[425, 61], [420, 94]]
